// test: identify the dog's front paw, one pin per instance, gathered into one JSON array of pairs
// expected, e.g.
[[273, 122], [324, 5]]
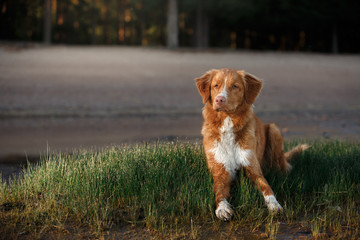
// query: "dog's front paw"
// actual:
[[224, 211], [273, 204]]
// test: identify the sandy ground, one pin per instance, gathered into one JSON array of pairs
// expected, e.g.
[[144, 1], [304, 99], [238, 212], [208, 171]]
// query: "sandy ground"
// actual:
[[65, 97]]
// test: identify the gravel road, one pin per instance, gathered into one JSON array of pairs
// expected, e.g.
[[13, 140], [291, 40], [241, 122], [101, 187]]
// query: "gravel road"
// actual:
[[66, 97]]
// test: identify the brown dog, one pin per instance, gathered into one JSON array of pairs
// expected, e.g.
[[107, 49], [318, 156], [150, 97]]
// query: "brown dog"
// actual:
[[234, 137]]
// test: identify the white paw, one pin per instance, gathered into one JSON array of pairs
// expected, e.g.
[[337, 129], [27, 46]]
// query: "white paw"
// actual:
[[224, 211], [273, 204]]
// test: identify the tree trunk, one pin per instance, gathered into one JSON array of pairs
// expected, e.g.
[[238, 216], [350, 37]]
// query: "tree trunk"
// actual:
[[107, 36], [202, 27], [172, 25], [93, 23], [335, 47], [47, 21]]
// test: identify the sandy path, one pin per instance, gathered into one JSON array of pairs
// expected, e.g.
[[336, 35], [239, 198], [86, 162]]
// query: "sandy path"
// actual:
[[66, 97]]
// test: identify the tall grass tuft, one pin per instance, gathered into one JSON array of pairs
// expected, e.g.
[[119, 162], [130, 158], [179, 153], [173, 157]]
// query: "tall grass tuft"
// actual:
[[163, 186]]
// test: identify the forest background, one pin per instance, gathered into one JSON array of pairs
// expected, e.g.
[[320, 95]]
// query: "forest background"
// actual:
[[287, 25]]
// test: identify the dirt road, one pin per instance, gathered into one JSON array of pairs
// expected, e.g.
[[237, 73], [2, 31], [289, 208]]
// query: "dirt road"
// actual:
[[69, 97]]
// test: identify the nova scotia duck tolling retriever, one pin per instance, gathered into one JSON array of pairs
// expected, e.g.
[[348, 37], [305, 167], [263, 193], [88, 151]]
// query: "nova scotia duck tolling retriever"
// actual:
[[235, 138]]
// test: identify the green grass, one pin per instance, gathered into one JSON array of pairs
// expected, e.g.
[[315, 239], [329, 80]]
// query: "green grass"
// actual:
[[167, 189]]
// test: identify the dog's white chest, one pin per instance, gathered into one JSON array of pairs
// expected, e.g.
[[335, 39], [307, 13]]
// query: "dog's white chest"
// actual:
[[228, 152]]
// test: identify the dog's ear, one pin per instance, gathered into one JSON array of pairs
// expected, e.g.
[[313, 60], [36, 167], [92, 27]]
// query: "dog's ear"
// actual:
[[203, 84], [252, 88]]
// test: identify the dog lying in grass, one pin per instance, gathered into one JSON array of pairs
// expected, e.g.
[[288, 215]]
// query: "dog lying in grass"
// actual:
[[235, 138]]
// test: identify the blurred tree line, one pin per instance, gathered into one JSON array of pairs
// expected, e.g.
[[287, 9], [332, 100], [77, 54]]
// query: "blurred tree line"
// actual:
[[300, 25]]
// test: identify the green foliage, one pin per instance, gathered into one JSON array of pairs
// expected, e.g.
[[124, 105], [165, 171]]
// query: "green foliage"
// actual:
[[168, 184]]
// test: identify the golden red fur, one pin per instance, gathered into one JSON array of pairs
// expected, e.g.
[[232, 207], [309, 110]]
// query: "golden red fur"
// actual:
[[234, 137]]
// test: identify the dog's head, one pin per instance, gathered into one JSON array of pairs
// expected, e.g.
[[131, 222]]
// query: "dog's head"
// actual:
[[228, 90]]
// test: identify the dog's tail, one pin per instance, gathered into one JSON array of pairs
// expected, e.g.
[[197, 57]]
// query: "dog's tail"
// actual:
[[274, 152], [296, 150]]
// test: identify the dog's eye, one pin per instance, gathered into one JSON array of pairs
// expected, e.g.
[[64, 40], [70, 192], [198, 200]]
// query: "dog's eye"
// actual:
[[216, 86], [234, 87]]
